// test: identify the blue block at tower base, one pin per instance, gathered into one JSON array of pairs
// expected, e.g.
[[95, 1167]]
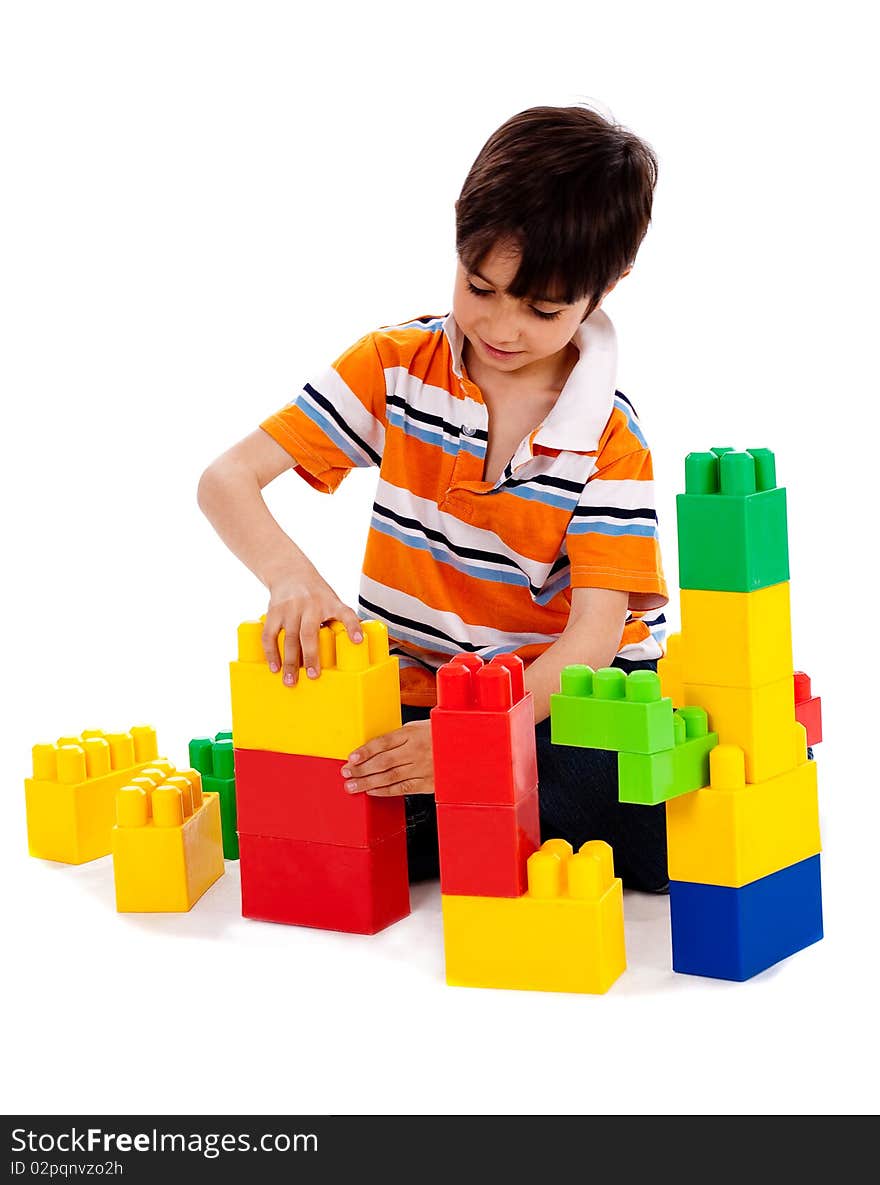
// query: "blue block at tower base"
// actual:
[[727, 933]]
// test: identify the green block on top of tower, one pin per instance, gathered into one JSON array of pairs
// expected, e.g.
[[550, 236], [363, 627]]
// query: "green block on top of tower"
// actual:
[[732, 523]]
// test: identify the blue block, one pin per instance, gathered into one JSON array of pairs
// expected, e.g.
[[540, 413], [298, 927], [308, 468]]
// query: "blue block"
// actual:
[[730, 933]]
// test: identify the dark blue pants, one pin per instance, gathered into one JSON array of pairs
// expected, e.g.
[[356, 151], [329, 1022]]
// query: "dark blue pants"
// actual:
[[578, 801]]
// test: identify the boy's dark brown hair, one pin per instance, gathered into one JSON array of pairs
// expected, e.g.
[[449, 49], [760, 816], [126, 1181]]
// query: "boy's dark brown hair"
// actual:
[[570, 189]]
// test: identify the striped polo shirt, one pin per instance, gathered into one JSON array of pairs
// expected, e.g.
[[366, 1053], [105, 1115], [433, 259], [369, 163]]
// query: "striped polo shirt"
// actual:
[[454, 563]]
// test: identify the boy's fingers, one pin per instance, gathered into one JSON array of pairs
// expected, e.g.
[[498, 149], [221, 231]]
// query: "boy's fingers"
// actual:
[[389, 740], [311, 655], [269, 640], [290, 659], [383, 784], [387, 759], [352, 623]]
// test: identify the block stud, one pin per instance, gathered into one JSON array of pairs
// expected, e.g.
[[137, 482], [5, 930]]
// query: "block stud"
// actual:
[[195, 784], [224, 760], [454, 686], [701, 473], [132, 807], [376, 637], [71, 764], [737, 474], [576, 679], [45, 763], [201, 754], [97, 753], [185, 789], [642, 687], [591, 870], [765, 468], [167, 806], [695, 720], [610, 683], [544, 871], [493, 689], [727, 767], [514, 664], [121, 749], [146, 747]]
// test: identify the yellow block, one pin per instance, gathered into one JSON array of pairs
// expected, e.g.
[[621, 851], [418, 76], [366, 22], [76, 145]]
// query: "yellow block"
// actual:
[[167, 843], [70, 798], [565, 934], [356, 697], [736, 639], [760, 720], [669, 670], [732, 833]]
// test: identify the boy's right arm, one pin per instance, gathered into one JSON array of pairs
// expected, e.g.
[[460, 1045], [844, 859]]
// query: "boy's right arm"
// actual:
[[300, 600]]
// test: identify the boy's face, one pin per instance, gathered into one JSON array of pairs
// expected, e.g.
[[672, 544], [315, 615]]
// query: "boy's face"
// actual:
[[528, 331]]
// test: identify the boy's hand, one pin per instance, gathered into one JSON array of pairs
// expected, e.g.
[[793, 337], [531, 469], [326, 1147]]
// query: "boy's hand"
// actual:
[[300, 604], [400, 762]]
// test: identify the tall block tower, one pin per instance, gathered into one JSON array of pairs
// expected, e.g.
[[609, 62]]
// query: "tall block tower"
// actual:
[[516, 914], [312, 854], [744, 849]]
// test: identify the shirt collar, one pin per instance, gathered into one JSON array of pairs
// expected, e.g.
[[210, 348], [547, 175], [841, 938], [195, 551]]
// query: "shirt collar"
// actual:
[[578, 418]]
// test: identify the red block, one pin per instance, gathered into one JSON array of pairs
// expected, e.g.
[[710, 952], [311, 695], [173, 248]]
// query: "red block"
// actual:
[[484, 849], [282, 794], [807, 708], [328, 886], [483, 732]]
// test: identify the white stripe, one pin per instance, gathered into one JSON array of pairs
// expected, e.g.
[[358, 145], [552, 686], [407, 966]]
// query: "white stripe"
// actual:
[[629, 495], [481, 637], [435, 401], [459, 533], [358, 417]]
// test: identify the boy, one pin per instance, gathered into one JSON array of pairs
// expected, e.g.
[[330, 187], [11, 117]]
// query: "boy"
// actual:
[[514, 508]]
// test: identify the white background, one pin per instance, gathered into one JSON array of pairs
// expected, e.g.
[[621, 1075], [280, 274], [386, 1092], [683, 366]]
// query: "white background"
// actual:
[[202, 203]]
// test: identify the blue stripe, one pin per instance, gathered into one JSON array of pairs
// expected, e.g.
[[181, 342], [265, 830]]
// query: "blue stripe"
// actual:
[[631, 421], [330, 430], [417, 543], [428, 326], [531, 494], [646, 532], [428, 436]]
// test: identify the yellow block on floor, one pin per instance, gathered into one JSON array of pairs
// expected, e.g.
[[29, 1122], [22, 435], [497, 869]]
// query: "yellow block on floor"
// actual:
[[167, 843], [732, 833], [760, 720], [356, 697], [565, 934], [70, 800], [736, 639]]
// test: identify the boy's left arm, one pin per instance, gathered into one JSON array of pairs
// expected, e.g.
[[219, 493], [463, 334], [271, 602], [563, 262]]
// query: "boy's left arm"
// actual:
[[401, 762]]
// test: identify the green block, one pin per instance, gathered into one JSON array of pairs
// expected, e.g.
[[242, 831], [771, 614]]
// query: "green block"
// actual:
[[214, 758], [732, 522], [650, 778], [225, 787], [608, 709]]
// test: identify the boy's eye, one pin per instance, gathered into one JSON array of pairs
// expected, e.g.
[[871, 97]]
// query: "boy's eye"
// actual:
[[488, 292]]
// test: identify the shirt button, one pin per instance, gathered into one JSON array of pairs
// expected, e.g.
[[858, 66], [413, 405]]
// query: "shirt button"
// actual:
[[467, 430]]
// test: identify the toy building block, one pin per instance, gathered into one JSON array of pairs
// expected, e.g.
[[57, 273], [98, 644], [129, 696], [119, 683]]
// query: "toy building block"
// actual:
[[807, 708], [564, 935], [651, 778], [292, 797], [608, 709], [731, 833], [484, 849], [736, 639], [760, 720], [726, 933], [669, 669], [71, 798], [356, 697], [732, 526], [328, 886], [483, 732], [167, 842], [215, 761]]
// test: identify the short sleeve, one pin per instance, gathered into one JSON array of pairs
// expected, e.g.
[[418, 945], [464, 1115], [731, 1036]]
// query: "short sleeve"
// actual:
[[337, 422], [612, 539]]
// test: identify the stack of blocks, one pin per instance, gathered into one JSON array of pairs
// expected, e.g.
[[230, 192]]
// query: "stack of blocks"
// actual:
[[515, 914], [311, 854], [70, 800], [167, 846], [745, 883], [214, 758], [741, 802]]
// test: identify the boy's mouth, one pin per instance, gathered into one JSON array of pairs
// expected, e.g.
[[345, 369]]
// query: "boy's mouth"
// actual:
[[500, 353]]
